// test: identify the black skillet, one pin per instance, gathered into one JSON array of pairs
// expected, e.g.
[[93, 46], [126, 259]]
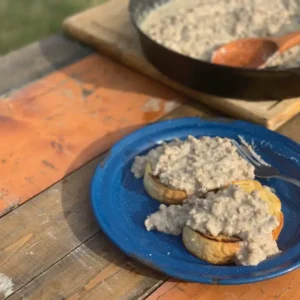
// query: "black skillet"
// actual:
[[210, 78]]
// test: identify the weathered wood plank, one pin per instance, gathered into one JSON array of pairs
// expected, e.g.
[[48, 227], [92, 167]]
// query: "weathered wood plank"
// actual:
[[45, 229], [281, 288], [95, 270], [50, 226], [51, 121], [30, 63]]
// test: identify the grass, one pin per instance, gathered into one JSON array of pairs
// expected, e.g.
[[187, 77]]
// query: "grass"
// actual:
[[25, 21]]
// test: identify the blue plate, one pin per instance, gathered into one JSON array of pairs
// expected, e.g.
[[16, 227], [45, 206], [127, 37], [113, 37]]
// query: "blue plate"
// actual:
[[121, 204]]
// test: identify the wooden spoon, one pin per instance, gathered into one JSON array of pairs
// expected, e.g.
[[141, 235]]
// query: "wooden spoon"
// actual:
[[254, 52]]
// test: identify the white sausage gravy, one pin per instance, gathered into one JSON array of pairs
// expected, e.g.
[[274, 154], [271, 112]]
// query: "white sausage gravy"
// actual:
[[197, 165], [231, 212]]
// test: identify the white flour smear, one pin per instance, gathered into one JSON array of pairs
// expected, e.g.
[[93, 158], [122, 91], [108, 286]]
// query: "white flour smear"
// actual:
[[6, 285], [152, 105]]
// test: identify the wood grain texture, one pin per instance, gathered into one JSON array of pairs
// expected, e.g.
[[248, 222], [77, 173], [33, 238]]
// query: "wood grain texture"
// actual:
[[285, 287], [54, 119], [36, 239], [108, 29], [38, 59], [94, 270], [53, 248], [46, 228]]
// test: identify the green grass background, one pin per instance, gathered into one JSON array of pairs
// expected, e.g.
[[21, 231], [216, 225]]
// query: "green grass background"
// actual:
[[25, 21]]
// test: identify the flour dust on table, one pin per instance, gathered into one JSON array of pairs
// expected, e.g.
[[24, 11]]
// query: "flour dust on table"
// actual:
[[197, 28]]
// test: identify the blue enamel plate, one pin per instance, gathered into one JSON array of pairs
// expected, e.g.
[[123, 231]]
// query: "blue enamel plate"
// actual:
[[121, 205]]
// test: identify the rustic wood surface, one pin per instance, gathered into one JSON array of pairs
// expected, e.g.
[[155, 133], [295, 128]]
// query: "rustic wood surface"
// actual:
[[108, 29], [51, 246], [38, 59], [65, 112]]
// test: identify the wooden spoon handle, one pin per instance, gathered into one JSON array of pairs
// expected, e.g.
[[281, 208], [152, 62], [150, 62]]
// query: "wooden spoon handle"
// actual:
[[288, 41]]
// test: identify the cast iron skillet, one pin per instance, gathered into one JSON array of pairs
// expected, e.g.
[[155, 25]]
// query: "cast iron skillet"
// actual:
[[211, 78]]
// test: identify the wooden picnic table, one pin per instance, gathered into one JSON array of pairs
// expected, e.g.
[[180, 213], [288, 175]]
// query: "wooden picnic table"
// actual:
[[62, 106]]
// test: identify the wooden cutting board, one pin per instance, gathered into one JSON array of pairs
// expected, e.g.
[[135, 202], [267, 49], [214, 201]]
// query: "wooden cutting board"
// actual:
[[107, 28]]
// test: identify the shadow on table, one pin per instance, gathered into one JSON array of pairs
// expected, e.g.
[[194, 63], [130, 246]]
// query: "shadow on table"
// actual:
[[96, 71], [79, 216], [87, 77]]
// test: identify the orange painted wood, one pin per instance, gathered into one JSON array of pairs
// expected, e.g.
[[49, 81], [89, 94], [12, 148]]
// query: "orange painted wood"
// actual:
[[45, 126], [284, 287]]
